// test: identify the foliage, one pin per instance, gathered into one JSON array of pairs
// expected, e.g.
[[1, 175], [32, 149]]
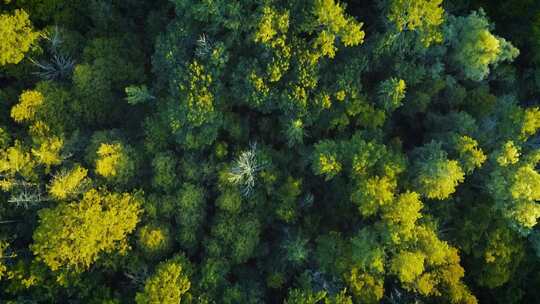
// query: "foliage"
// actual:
[[244, 170], [17, 35], [190, 213], [115, 162], [436, 175], [138, 94], [423, 16], [97, 224], [27, 107], [69, 183], [154, 240], [475, 47], [169, 284], [324, 152]]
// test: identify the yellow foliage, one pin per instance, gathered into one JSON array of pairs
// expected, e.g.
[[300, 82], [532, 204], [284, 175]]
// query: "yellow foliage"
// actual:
[[508, 155], [440, 179], [109, 157], [526, 184], [426, 283], [366, 287], [471, 156], [329, 164], [17, 36], [424, 16], [200, 100], [168, 285], [3, 268], [531, 122], [401, 216], [15, 160], [407, 265], [48, 152], [489, 46], [26, 109], [72, 236], [325, 42], [114, 162], [39, 129], [271, 24], [526, 213], [331, 16], [68, 183], [374, 193], [435, 250], [154, 239]]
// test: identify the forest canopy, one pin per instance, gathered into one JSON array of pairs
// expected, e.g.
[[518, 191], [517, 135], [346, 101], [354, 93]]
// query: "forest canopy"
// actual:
[[249, 151]]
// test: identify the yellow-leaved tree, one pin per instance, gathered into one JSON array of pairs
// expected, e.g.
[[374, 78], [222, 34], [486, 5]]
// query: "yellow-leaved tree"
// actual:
[[72, 236], [17, 36], [168, 285]]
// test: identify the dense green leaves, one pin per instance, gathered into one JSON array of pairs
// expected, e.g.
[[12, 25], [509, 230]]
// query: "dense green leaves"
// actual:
[[321, 152]]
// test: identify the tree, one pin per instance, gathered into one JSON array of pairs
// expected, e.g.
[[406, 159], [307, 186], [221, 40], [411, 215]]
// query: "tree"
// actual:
[[423, 16], [297, 296], [190, 214], [116, 162], [234, 237], [45, 109], [514, 184], [332, 253], [469, 154], [330, 17], [168, 285], [436, 175], [164, 166], [18, 36], [244, 170], [28, 105], [154, 240], [365, 115], [230, 201], [475, 49], [16, 160], [407, 266], [68, 183], [296, 249], [392, 92], [400, 216], [4, 255], [325, 161], [138, 94], [502, 254], [49, 152], [98, 224], [105, 70], [374, 193]]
